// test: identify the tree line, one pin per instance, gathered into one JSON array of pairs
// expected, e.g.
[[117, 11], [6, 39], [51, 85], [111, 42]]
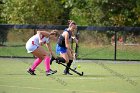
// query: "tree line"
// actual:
[[84, 12]]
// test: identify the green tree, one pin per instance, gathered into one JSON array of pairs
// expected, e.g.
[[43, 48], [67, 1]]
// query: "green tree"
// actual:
[[3, 32], [32, 11], [120, 13], [107, 12], [1, 11]]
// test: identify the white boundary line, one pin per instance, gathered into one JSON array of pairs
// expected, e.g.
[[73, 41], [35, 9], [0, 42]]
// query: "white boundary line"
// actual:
[[38, 88]]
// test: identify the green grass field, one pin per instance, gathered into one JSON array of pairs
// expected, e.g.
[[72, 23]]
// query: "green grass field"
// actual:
[[99, 77]]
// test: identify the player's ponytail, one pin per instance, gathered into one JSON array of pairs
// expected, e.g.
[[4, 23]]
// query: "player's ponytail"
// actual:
[[54, 32], [70, 22]]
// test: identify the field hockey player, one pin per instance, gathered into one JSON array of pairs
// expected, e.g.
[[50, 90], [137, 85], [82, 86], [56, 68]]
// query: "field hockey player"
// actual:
[[34, 46]]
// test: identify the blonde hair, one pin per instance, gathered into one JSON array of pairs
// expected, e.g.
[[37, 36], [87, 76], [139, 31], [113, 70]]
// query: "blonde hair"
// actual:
[[54, 32]]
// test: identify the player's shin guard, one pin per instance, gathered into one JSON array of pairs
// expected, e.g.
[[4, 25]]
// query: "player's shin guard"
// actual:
[[51, 59], [68, 65], [60, 59], [47, 63], [36, 63]]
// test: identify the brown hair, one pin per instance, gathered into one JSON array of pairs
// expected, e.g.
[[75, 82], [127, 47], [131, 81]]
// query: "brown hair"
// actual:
[[54, 32], [70, 22]]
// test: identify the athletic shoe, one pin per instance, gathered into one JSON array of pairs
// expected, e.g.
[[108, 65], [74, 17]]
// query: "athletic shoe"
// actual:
[[53, 70], [50, 72], [31, 71], [67, 73]]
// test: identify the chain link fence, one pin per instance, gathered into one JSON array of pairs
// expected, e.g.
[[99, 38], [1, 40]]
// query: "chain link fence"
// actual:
[[100, 43]]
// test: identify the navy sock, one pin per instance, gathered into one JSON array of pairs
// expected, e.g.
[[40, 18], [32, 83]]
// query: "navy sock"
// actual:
[[51, 60], [68, 65], [61, 59]]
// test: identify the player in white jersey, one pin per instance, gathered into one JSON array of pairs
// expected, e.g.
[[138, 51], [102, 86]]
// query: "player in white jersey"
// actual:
[[34, 46]]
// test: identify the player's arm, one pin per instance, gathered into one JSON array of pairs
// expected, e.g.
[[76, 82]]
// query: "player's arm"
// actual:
[[48, 45], [74, 38], [42, 33], [67, 41]]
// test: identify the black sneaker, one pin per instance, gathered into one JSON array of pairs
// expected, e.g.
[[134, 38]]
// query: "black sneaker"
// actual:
[[67, 73], [31, 71], [51, 72]]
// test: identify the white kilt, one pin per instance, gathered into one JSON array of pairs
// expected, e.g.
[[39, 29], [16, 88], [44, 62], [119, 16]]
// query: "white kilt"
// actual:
[[31, 47]]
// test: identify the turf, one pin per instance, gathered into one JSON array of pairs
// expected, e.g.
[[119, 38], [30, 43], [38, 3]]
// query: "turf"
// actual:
[[99, 77]]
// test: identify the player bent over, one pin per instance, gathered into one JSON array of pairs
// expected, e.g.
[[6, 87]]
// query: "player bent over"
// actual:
[[34, 46]]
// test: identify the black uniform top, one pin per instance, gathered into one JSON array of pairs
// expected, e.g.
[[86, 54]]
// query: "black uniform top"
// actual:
[[61, 39]]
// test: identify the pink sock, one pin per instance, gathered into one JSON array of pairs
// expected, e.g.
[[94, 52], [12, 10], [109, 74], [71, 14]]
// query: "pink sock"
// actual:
[[47, 63], [36, 63]]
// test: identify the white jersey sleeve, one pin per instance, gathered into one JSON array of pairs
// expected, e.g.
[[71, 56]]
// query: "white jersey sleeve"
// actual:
[[47, 40]]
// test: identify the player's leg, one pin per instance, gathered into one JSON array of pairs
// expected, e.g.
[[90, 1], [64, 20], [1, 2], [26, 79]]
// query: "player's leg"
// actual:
[[47, 65], [68, 61], [70, 56], [58, 50], [41, 54], [52, 59], [34, 65], [33, 49], [62, 51], [64, 58], [58, 59]]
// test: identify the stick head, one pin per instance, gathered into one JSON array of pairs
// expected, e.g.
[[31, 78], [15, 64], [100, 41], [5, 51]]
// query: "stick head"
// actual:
[[82, 74]]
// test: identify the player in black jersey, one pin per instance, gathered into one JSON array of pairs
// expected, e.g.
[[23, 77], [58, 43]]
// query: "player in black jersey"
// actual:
[[63, 46]]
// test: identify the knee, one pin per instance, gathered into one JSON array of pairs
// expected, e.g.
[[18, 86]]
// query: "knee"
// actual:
[[67, 61], [71, 58], [43, 57]]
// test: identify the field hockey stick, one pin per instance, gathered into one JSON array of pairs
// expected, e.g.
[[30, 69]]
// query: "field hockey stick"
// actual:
[[74, 58], [81, 74], [75, 54], [74, 61]]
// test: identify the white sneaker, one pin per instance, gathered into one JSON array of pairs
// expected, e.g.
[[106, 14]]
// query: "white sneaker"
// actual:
[[51, 72]]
